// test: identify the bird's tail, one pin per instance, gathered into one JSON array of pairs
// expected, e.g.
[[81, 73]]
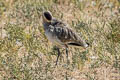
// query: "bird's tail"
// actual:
[[81, 43]]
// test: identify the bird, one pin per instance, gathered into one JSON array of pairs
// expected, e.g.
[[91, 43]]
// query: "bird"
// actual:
[[60, 34]]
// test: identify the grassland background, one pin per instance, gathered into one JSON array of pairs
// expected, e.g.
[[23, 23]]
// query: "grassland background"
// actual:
[[26, 54]]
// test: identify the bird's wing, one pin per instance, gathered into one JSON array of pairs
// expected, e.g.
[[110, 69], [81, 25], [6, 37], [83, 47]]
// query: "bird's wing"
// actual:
[[66, 34]]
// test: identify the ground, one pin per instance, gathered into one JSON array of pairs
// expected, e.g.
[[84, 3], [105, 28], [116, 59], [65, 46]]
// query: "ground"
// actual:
[[26, 54]]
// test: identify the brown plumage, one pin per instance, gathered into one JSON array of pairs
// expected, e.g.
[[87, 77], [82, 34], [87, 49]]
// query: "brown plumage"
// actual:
[[60, 34]]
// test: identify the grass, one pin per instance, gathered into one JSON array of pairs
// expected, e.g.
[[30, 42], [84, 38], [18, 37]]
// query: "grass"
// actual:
[[26, 54]]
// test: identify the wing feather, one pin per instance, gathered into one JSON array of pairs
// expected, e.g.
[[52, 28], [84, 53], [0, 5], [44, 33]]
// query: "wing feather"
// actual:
[[66, 35]]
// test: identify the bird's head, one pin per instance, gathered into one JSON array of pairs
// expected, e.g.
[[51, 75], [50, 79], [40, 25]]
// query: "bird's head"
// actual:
[[47, 16]]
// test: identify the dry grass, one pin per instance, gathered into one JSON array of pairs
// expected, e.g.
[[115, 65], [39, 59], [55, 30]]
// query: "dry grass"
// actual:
[[26, 54]]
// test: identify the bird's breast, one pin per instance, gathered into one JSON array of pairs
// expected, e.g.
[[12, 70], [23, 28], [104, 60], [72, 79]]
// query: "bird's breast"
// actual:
[[52, 37], [49, 35]]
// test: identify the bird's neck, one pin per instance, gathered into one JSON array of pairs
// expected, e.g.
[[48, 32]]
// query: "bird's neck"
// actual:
[[46, 25]]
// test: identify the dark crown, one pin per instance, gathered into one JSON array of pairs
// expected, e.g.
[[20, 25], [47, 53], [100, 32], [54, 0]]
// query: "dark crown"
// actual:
[[48, 16]]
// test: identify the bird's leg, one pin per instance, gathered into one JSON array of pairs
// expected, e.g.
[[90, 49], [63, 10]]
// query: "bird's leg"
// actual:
[[67, 54], [58, 55]]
